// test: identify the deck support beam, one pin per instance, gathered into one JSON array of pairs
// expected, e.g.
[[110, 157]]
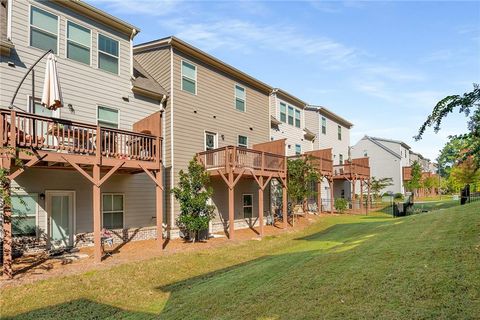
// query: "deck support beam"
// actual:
[[7, 222], [361, 195], [332, 201], [97, 221], [261, 188], [369, 200], [285, 205], [157, 178], [319, 195], [231, 206]]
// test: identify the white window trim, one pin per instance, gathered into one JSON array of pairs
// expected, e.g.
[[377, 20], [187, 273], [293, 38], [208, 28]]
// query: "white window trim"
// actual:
[[321, 125], [111, 55], [91, 43], [238, 140], [205, 132], [244, 206], [111, 108], [123, 204], [295, 117], [182, 75], [299, 145], [41, 7], [280, 111], [235, 97], [339, 133]]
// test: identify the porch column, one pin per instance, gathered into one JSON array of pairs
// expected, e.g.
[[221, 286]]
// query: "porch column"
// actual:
[[159, 206], [285, 206], [332, 201], [369, 200], [354, 182], [260, 205], [231, 206], [361, 195], [319, 195], [7, 222], [97, 221]]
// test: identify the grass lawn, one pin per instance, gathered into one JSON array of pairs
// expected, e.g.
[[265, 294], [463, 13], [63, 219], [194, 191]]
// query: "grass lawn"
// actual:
[[344, 267]]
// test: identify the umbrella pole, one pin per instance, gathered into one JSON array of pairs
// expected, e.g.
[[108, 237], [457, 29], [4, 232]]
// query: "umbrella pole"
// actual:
[[25, 76]]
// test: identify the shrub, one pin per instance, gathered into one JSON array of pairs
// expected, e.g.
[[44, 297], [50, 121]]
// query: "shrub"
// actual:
[[341, 205], [398, 196]]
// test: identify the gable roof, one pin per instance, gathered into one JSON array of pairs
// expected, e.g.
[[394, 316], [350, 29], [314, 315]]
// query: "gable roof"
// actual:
[[330, 114], [381, 145], [99, 15], [290, 97], [187, 48], [144, 84], [403, 144]]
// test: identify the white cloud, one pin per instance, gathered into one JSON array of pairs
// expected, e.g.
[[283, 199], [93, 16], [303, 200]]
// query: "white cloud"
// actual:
[[147, 7]]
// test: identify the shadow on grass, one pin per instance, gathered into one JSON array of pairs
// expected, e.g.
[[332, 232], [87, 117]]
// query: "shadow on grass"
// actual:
[[249, 290]]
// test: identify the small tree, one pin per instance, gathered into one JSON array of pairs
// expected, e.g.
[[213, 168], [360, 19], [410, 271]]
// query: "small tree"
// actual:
[[466, 172], [301, 175], [341, 205], [193, 194], [377, 185], [415, 181]]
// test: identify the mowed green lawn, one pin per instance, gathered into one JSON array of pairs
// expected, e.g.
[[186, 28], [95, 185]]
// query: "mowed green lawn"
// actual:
[[350, 267]]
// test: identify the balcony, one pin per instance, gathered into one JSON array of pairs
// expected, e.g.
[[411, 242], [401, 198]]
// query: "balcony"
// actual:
[[237, 159], [62, 141], [354, 169], [321, 160]]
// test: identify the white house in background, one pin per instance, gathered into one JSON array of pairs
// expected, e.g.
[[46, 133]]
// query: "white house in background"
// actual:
[[387, 158], [287, 121], [425, 163]]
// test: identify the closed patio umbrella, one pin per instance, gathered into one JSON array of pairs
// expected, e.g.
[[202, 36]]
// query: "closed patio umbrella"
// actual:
[[52, 95]]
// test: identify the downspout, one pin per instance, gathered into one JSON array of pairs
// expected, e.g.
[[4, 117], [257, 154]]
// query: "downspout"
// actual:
[[162, 103], [9, 19], [134, 33]]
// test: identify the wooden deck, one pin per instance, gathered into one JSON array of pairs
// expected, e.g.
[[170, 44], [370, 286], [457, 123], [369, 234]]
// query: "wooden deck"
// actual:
[[61, 142], [356, 169]]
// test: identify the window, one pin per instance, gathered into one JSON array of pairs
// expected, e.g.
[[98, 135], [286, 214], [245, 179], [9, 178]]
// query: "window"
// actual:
[[210, 141], [107, 54], [112, 211], [283, 112], [107, 117], [78, 43], [242, 141], [189, 77], [297, 118], [247, 205], [43, 30], [340, 159], [298, 149], [290, 115], [324, 125], [24, 214], [240, 98], [339, 133]]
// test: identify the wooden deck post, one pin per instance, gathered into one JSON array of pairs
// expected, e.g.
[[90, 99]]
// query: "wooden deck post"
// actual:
[[332, 201], [361, 195], [159, 206], [97, 221], [285, 205], [354, 182], [319, 195], [231, 206], [260, 205], [7, 223], [369, 200]]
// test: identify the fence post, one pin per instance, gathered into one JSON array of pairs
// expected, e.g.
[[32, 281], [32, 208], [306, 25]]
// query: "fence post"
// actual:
[[13, 131]]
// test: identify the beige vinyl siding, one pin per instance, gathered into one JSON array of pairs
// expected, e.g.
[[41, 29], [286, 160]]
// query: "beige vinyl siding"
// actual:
[[293, 134], [138, 192], [84, 87], [330, 139], [215, 98], [313, 124]]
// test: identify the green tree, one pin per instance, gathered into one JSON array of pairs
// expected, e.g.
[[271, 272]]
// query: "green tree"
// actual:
[[301, 175], [466, 172], [193, 194], [415, 181], [450, 154], [377, 185], [469, 104]]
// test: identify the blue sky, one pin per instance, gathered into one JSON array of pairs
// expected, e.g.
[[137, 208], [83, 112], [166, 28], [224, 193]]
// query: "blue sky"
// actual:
[[381, 65]]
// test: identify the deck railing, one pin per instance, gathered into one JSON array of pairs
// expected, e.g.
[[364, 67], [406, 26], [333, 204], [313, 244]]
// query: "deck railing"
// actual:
[[20, 129], [350, 169], [235, 157], [322, 165]]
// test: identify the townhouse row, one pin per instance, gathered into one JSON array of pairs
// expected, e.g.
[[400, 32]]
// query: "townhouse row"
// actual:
[[393, 159], [132, 118]]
